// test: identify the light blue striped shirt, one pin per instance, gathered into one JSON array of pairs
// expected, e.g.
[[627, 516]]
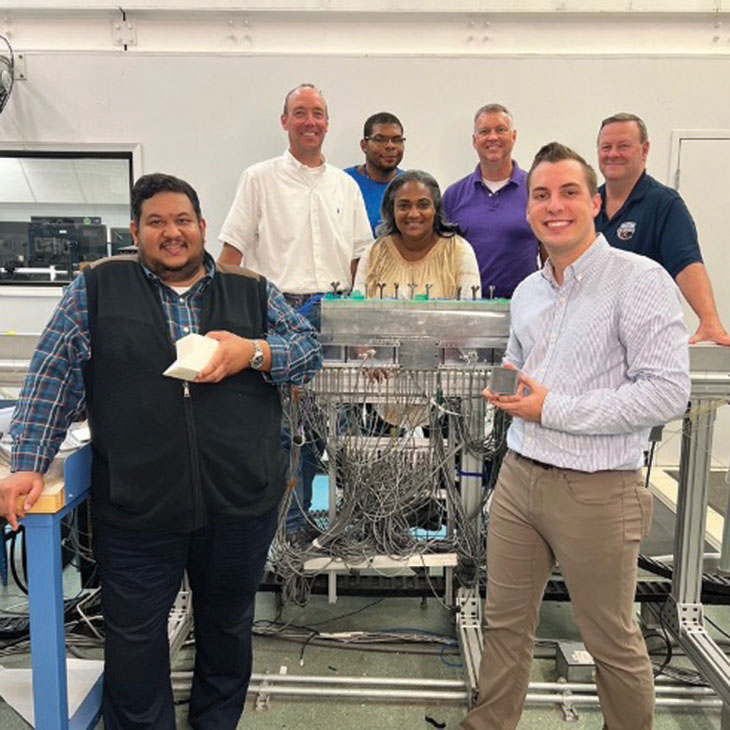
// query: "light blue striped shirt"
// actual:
[[611, 347]]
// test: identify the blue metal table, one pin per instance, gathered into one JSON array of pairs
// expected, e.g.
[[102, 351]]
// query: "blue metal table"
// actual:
[[45, 588]]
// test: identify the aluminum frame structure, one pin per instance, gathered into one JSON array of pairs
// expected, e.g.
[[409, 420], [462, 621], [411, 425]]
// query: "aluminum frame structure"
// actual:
[[450, 347], [683, 612]]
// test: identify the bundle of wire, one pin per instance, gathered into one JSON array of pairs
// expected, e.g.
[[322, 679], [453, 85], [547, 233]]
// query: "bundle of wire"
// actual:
[[396, 486]]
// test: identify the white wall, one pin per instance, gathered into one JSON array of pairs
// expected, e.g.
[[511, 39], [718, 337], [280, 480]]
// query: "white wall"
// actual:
[[207, 117]]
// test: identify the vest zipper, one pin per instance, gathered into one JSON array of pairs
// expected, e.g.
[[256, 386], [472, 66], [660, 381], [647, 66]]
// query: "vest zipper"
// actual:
[[193, 449]]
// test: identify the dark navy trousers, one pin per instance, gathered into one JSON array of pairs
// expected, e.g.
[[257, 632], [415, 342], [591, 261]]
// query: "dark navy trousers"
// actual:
[[140, 576]]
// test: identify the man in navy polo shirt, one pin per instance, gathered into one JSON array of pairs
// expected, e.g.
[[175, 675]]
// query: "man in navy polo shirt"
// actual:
[[489, 206], [383, 144], [640, 214]]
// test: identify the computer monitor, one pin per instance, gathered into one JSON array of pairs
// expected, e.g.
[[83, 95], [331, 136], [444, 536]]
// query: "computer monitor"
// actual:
[[13, 243], [63, 244], [92, 242], [120, 238]]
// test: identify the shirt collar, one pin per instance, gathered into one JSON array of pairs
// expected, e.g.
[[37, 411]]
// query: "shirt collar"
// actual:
[[514, 179], [583, 265], [639, 189], [208, 262], [637, 193], [294, 163]]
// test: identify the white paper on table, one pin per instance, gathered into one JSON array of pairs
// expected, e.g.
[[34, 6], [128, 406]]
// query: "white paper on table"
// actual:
[[16, 686], [193, 354]]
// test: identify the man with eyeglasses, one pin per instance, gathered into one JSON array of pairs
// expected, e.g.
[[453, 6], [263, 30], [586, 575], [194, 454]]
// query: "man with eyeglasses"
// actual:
[[383, 144], [640, 214], [302, 224], [489, 206]]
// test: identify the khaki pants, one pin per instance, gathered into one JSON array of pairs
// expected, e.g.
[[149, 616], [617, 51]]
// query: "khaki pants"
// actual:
[[591, 524]]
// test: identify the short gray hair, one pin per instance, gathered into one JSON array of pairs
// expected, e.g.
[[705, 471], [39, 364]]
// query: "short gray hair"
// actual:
[[494, 109], [305, 85], [626, 117]]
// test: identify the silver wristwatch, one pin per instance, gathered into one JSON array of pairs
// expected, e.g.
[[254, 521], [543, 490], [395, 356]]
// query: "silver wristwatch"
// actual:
[[257, 359]]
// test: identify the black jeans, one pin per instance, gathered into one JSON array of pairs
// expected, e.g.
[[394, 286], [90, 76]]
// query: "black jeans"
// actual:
[[140, 576]]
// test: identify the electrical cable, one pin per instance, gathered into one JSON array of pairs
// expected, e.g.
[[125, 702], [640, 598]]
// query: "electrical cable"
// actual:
[[7, 74], [442, 656], [387, 478], [650, 460], [717, 628], [668, 652], [13, 568]]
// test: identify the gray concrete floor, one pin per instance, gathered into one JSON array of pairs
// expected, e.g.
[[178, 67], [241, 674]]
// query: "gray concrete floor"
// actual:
[[327, 714], [286, 713]]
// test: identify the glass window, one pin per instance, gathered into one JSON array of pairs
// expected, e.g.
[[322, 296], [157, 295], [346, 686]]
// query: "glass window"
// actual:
[[60, 209]]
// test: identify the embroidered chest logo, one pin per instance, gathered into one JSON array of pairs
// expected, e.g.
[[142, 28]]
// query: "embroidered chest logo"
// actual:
[[626, 230]]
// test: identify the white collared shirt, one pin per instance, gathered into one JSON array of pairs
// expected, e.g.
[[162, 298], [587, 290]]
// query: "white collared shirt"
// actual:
[[611, 347], [298, 226]]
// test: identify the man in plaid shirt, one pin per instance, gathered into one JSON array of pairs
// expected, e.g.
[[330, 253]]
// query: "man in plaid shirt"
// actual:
[[186, 476]]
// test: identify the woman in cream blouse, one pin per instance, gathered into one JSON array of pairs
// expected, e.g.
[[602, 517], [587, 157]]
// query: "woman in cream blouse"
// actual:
[[417, 249], [417, 252]]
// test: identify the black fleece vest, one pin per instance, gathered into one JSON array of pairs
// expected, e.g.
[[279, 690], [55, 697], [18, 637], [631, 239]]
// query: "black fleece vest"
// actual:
[[170, 456]]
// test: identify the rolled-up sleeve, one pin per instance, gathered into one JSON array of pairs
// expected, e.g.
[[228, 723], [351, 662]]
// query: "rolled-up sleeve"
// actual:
[[296, 353]]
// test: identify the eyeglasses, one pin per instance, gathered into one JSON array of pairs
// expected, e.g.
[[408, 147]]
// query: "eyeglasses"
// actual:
[[382, 140]]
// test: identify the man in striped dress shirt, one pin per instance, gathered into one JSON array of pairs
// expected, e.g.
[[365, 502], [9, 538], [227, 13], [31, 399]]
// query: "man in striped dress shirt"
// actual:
[[602, 349]]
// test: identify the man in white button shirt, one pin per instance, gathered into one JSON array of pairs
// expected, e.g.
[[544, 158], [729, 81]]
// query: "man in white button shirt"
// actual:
[[302, 223], [600, 342], [296, 219]]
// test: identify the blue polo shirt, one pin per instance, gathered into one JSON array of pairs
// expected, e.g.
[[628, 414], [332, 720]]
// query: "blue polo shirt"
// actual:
[[653, 222], [372, 193], [496, 227]]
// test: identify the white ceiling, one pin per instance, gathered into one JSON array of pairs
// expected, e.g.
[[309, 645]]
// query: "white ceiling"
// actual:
[[73, 181]]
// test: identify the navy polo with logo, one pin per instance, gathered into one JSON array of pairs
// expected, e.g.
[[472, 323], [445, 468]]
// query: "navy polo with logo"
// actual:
[[653, 222]]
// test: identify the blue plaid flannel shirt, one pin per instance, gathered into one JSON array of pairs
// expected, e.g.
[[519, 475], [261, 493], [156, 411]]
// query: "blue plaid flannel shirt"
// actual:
[[53, 395]]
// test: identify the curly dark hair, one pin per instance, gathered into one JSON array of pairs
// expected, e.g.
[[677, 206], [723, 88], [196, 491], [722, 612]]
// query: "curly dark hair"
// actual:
[[387, 209]]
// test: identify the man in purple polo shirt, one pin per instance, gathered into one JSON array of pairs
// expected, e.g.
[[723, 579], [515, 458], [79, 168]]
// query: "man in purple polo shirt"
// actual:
[[489, 206]]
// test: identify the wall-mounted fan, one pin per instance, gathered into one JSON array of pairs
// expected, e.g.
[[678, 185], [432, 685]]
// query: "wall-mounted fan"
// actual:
[[7, 64]]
